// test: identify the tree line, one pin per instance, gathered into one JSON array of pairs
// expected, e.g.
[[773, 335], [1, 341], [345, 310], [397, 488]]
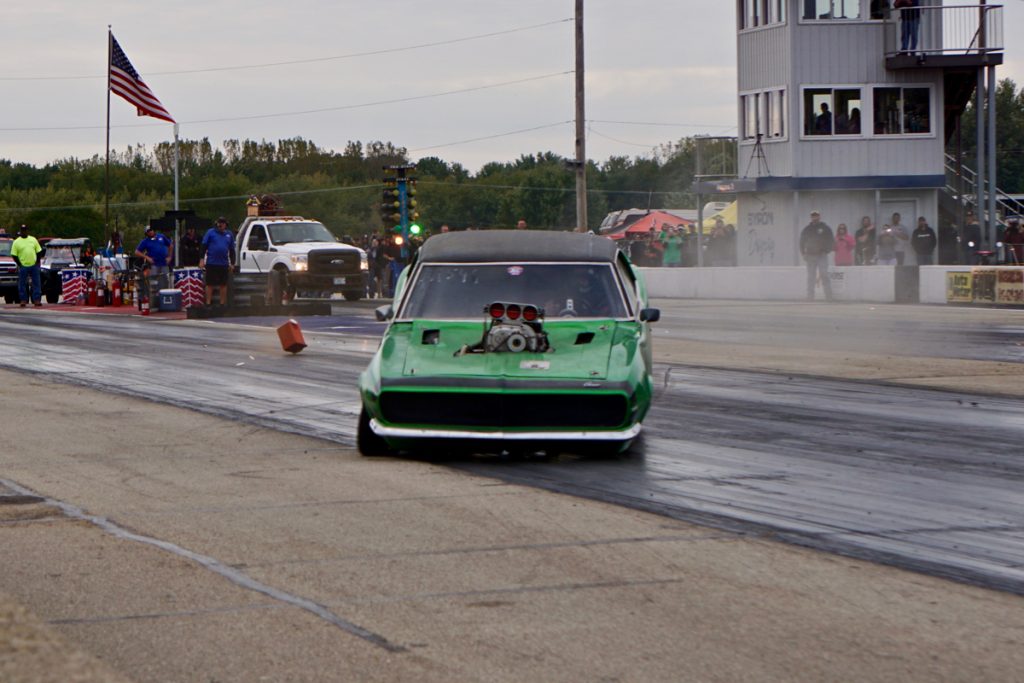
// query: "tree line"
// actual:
[[66, 198], [341, 188]]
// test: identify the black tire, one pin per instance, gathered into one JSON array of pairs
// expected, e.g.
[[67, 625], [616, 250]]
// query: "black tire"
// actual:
[[10, 298], [52, 295], [353, 296], [369, 444]]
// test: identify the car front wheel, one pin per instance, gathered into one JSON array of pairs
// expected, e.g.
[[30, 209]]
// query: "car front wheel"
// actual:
[[367, 441]]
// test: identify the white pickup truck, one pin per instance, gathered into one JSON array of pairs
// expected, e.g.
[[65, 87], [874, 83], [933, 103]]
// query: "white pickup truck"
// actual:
[[299, 256]]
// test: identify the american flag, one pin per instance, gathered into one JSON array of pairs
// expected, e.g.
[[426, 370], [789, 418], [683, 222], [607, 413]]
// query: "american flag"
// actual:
[[125, 81], [190, 282], [73, 281]]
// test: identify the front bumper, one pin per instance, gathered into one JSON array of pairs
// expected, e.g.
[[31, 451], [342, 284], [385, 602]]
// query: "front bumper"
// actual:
[[306, 280], [630, 432]]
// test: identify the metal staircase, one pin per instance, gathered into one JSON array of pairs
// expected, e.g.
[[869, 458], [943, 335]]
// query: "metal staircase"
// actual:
[[961, 184]]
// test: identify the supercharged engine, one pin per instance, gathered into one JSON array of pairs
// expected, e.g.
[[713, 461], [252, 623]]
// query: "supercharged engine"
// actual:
[[513, 328]]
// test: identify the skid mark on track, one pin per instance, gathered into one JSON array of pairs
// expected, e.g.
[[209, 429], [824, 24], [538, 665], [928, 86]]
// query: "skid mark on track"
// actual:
[[230, 573]]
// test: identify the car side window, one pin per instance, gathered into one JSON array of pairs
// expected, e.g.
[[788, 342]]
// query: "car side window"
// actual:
[[627, 282], [257, 238]]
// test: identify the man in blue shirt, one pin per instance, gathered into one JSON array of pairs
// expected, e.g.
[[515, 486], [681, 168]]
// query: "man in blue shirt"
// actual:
[[218, 259], [156, 252]]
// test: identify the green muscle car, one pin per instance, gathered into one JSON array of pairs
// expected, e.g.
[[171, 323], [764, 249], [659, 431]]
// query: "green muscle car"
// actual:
[[509, 340]]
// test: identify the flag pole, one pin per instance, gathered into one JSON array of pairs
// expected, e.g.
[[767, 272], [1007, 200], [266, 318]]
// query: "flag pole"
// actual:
[[177, 220], [106, 176]]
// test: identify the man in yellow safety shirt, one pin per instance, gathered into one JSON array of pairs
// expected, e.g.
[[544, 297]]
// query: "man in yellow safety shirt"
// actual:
[[25, 251]]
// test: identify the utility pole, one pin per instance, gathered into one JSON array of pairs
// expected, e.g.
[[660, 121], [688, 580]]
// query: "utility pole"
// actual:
[[581, 146]]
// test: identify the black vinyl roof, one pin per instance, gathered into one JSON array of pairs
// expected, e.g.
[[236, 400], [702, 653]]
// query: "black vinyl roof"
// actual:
[[474, 246]]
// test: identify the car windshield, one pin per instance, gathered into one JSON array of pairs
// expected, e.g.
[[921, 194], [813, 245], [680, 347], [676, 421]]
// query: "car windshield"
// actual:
[[283, 233], [5, 247], [455, 291]]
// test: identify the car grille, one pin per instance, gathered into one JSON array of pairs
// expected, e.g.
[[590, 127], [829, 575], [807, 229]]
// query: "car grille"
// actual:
[[333, 262], [504, 410]]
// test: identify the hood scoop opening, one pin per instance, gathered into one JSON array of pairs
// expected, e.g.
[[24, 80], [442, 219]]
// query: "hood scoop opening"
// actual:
[[431, 337], [584, 338]]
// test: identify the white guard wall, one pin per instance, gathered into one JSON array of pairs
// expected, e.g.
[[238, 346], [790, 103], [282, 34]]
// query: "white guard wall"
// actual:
[[863, 283]]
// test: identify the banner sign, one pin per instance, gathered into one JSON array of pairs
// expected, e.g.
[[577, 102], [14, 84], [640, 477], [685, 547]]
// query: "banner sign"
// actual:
[[1010, 286], [959, 289], [984, 281]]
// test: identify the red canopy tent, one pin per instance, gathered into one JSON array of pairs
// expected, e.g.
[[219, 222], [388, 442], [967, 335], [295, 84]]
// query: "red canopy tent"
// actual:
[[643, 225]]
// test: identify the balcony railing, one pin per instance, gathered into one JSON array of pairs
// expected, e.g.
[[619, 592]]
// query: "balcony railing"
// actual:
[[951, 30]]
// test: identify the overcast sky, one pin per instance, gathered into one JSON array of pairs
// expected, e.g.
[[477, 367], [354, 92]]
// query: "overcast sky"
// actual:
[[665, 62]]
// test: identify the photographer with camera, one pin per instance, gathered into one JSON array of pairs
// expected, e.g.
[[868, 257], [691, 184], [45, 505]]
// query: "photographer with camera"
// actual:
[[887, 241]]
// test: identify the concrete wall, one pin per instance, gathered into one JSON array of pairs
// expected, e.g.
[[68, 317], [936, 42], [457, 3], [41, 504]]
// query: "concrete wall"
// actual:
[[874, 284], [780, 283]]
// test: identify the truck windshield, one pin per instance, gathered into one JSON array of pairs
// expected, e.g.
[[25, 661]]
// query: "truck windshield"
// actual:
[[284, 233], [457, 291], [5, 247]]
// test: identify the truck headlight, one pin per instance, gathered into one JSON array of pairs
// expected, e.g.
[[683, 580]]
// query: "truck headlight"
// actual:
[[300, 261]]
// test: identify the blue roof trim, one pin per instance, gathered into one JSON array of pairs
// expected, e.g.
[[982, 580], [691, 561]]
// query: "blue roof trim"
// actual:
[[888, 182]]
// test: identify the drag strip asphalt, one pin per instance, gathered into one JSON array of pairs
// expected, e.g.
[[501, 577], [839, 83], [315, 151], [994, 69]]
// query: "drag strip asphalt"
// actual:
[[917, 478]]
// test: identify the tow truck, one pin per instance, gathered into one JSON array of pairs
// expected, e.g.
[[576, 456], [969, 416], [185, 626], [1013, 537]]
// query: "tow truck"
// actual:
[[296, 255]]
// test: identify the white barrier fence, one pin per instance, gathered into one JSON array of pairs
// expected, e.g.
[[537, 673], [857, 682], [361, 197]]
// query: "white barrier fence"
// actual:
[[878, 284]]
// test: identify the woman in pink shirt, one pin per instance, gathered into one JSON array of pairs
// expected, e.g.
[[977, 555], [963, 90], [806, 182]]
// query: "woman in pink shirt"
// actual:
[[844, 246]]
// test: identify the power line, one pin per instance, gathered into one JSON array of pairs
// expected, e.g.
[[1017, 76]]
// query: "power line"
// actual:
[[312, 60], [621, 142], [670, 125], [492, 137], [307, 111]]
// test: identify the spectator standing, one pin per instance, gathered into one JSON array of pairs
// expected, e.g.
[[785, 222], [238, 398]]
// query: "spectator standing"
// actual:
[[887, 247], [845, 245], [690, 247], [672, 243], [156, 250], [637, 251], [924, 240], [949, 244], [866, 242], [910, 23], [373, 253], [715, 245], [190, 248], [25, 251], [1014, 242], [115, 245], [729, 245], [521, 224], [972, 238], [823, 123], [218, 258], [816, 241], [654, 249], [902, 236], [393, 254]]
